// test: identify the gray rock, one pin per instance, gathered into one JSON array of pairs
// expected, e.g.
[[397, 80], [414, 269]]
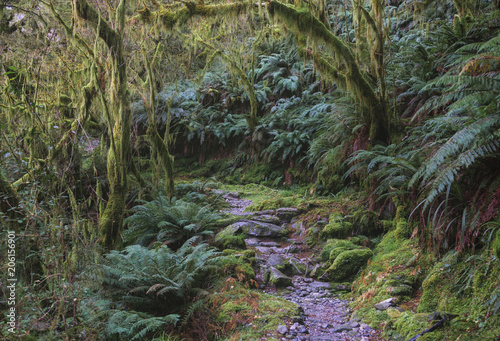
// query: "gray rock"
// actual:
[[263, 249], [384, 305], [275, 260], [282, 329], [264, 218], [287, 213], [259, 229], [269, 244], [279, 279], [317, 284], [292, 249], [303, 330], [343, 327], [251, 242]]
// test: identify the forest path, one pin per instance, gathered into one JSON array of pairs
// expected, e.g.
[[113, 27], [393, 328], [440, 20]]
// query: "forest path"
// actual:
[[324, 316]]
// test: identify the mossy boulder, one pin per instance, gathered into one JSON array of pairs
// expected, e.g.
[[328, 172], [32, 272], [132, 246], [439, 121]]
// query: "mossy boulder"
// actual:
[[336, 230], [337, 227], [279, 279], [335, 252], [347, 264], [366, 222], [334, 244], [400, 290], [230, 237], [360, 240]]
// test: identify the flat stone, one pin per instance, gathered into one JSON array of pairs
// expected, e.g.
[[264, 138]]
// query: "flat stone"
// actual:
[[287, 213], [263, 249], [343, 327], [384, 305], [259, 229], [275, 260], [251, 242], [264, 218], [292, 249], [269, 244], [317, 284]]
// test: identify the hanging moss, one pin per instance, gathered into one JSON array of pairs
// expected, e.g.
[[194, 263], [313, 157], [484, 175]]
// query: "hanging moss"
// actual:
[[301, 21], [171, 16], [247, 83], [324, 67]]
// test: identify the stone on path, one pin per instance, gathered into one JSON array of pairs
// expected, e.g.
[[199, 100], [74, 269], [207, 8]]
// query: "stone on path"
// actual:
[[282, 329], [384, 305], [276, 260], [279, 279]]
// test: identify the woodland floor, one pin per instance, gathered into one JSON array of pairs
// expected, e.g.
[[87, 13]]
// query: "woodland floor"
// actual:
[[325, 316]]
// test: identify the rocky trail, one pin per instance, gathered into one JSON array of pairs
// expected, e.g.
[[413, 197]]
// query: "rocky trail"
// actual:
[[283, 265]]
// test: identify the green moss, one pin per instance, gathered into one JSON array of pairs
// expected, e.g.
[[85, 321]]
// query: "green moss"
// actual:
[[402, 230], [333, 244], [338, 227], [261, 312], [347, 264], [335, 252], [386, 225], [249, 254], [336, 230], [409, 325], [360, 240], [230, 237], [366, 222], [496, 244], [230, 309]]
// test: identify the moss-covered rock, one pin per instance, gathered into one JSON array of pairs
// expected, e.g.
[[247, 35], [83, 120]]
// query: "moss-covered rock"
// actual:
[[336, 230], [366, 222], [400, 290], [335, 252], [347, 264], [336, 243], [230, 237], [402, 230], [337, 227], [279, 279], [360, 240]]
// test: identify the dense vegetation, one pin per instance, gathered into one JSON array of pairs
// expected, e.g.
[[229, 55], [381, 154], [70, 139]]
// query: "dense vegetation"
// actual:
[[119, 118]]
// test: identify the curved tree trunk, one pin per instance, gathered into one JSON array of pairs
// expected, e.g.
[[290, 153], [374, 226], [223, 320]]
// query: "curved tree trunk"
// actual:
[[118, 113]]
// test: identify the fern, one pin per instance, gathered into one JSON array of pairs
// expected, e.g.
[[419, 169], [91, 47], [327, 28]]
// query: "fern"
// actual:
[[169, 221], [145, 291]]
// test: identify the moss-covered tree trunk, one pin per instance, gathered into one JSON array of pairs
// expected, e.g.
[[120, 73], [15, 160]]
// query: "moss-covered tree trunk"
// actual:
[[117, 110], [372, 104]]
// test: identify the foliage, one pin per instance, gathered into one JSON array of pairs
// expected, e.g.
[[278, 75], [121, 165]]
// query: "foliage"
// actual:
[[147, 291], [169, 221]]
